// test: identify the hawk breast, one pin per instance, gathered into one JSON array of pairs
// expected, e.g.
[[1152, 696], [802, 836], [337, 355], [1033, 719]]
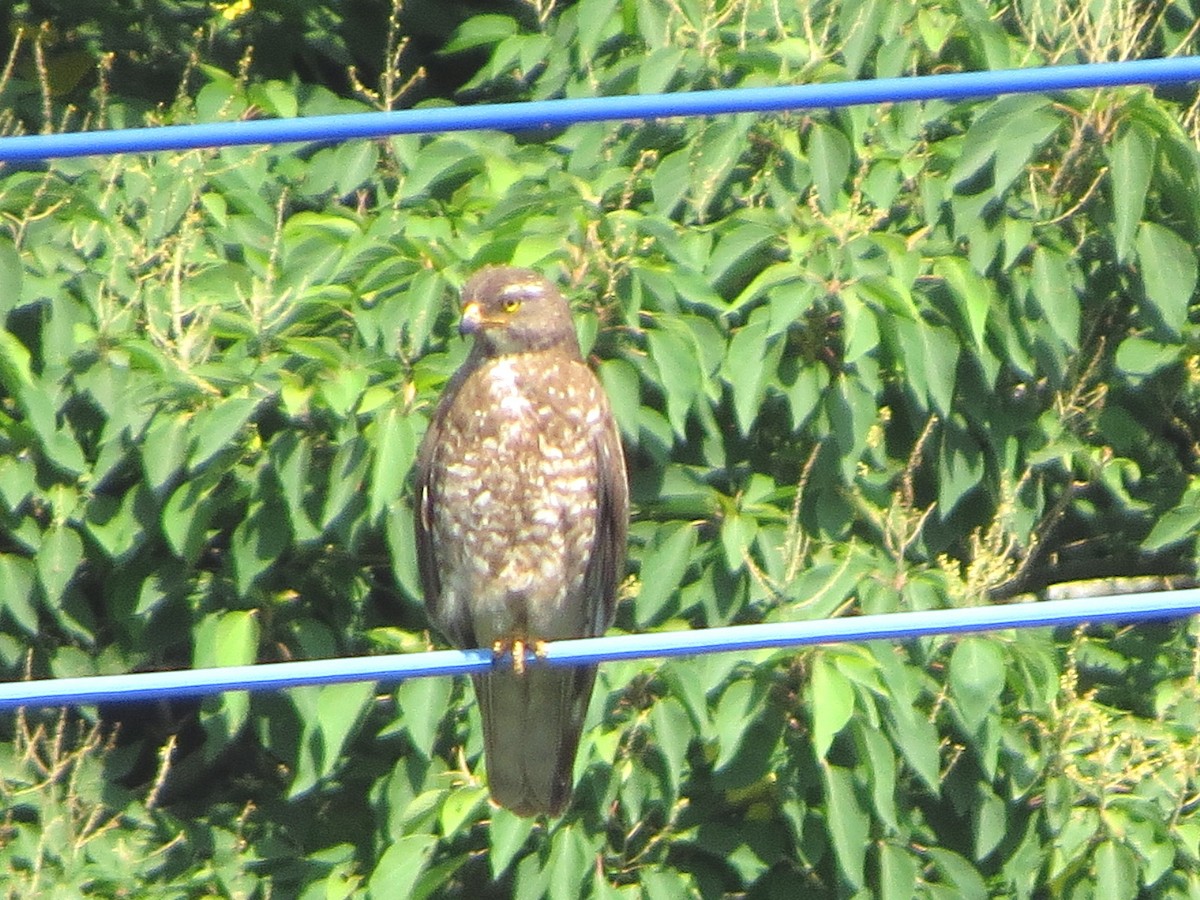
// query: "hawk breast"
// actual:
[[515, 517]]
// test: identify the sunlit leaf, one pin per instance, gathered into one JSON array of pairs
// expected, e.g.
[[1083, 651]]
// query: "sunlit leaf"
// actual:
[[58, 558], [831, 703], [663, 565], [830, 154], [976, 678]]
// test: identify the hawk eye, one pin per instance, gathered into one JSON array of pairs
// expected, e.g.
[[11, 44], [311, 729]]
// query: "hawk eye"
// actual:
[[511, 306]]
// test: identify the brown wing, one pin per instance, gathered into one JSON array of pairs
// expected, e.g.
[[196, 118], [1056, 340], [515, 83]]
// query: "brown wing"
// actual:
[[606, 567], [426, 492]]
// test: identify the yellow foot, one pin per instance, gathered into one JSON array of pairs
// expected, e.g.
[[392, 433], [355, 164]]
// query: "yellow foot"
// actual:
[[518, 647]]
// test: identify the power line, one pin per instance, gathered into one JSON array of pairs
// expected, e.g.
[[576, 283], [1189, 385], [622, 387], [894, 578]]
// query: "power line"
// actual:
[[560, 113], [1122, 608]]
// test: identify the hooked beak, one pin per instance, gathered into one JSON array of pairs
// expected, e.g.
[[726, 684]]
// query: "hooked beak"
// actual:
[[472, 319]]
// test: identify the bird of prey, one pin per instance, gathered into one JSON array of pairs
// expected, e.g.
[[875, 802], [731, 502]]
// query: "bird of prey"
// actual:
[[521, 516]]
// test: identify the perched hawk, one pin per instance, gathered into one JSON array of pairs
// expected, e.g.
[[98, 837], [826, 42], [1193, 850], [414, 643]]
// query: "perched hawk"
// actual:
[[521, 513]]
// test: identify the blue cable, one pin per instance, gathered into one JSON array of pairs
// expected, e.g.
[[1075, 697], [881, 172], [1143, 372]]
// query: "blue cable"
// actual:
[[559, 113], [1127, 608]]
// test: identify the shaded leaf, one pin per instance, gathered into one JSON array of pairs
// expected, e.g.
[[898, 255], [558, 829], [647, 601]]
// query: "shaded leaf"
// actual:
[[849, 824], [1168, 267], [1131, 163]]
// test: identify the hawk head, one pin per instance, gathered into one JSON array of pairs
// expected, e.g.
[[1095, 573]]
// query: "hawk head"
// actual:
[[512, 310]]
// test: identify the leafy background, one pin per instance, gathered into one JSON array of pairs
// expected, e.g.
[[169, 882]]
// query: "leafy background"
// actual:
[[883, 358]]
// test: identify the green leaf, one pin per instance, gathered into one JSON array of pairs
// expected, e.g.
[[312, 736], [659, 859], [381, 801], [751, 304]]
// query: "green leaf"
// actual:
[[1019, 143], [849, 824], [18, 481], [971, 292], [595, 23], [507, 834], [1175, 525], [116, 523], [15, 371], [164, 447], [883, 768], [216, 427], [16, 592], [570, 855], [1054, 290], [852, 411], [58, 558], [958, 874], [663, 565], [831, 704], [1168, 268], [829, 156], [394, 440], [346, 476], [734, 711], [479, 31], [713, 154], [991, 821], [460, 806], [976, 678], [1140, 358], [672, 730], [343, 388], [739, 252], [737, 534], [186, 517], [898, 871], [1007, 134], [860, 23], [11, 273], [401, 865], [290, 456], [914, 734], [1131, 163], [623, 387], [422, 704], [401, 540], [960, 469], [805, 393], [671, 181], [330, 714], [678, 364], [1116, 871], [860, 328], [259, 541], [228, 638], [930, 355]]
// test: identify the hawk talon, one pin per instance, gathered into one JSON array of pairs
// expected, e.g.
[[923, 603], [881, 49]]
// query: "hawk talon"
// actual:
[[518, 648]]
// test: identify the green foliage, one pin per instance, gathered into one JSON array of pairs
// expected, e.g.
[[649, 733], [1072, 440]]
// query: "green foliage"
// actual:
[[864, 361]]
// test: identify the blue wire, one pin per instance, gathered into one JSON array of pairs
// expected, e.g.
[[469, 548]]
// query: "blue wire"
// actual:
[[560, 113], [1127, 608]]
